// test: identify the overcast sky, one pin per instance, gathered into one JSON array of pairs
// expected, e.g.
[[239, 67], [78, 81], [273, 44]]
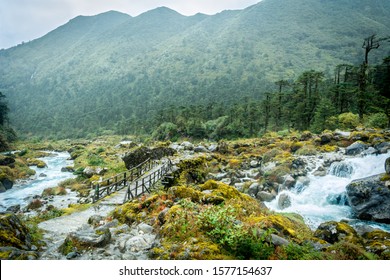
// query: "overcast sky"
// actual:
[[25, 20]]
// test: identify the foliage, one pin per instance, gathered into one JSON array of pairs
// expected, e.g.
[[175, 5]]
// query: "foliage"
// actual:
[[348, 120], [200, 76], [221, 224], [378, 120]]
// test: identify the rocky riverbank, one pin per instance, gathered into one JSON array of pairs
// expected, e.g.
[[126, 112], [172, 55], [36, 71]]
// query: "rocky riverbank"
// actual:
[[213, 206]]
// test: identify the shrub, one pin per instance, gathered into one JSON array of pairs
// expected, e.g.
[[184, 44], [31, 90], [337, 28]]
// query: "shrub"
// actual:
[[348, 120], [378, 120]]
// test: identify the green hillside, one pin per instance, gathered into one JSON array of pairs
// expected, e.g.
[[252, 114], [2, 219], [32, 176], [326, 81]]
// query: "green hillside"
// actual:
[[112, 72]]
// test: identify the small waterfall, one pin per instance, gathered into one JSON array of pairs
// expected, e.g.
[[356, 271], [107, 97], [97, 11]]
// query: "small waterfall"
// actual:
[[341, 169], [324, 197]]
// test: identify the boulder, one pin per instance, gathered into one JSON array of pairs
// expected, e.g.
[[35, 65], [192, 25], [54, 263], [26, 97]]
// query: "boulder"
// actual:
[[284, 201], [200, 149], [265, 196], [14, 233], [254, 189], [289, 181], [84, 239], [89, 171], [187, 146], [387, 166], [7, 183], [369, 199], [333, 232], [325, 138], [355, 148], [2, 188], [67, 169], [6, 161], [141, 154]]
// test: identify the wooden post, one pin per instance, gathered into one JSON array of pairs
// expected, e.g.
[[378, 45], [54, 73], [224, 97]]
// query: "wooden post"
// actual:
[[96, 196]]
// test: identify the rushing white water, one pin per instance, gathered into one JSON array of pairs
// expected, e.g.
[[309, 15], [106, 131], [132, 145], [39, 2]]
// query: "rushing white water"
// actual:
[[21, 193], [323, 199]]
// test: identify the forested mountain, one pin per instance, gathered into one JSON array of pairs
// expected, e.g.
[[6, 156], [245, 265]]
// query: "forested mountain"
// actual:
[[122, 74]]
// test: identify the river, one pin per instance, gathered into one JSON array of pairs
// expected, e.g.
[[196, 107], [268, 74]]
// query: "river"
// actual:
[[324, 198], [22, 193]]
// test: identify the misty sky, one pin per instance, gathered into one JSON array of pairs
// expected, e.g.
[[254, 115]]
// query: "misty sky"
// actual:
[[25, 20]]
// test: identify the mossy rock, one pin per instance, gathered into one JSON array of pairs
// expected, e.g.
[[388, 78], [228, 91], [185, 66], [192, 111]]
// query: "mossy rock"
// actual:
[[7, 173], [36, 162], [307, 150], [345, 250], [85, 239], [333, 232], [128, 212], [328, 148], [219, 189], [378, 242], [296, 146], [182, 192], [12, 253], [54, 191], [14, 233], [287, 225]]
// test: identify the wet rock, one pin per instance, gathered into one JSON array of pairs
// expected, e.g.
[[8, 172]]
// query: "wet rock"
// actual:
[[2, 188], [67, 169], [387, 166], [14, 208], [383, 147], [321, 171], [265, 196], [7, 183], [355, 148], [6, 161], [289, 182], [369, 199], [284, 201]]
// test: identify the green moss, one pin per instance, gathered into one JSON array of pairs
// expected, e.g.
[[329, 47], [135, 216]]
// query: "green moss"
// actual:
[[296, 146], [185, 192], [54, 191], [385, 177], [328, 148], [288, 225], [307, 150]]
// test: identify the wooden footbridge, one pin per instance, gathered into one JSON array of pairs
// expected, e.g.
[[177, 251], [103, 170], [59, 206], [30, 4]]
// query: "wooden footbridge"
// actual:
[[132, 183]]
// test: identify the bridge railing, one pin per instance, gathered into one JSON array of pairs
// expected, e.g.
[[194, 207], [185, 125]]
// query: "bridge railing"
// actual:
[[119, 181], [147, 182]]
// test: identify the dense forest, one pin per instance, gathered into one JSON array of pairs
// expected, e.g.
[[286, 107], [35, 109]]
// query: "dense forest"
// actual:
[[275, 65], [357, 95], [7, 134]]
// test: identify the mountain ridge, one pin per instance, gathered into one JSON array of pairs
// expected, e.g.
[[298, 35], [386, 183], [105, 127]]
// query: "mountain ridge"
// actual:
[[162, 58]]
